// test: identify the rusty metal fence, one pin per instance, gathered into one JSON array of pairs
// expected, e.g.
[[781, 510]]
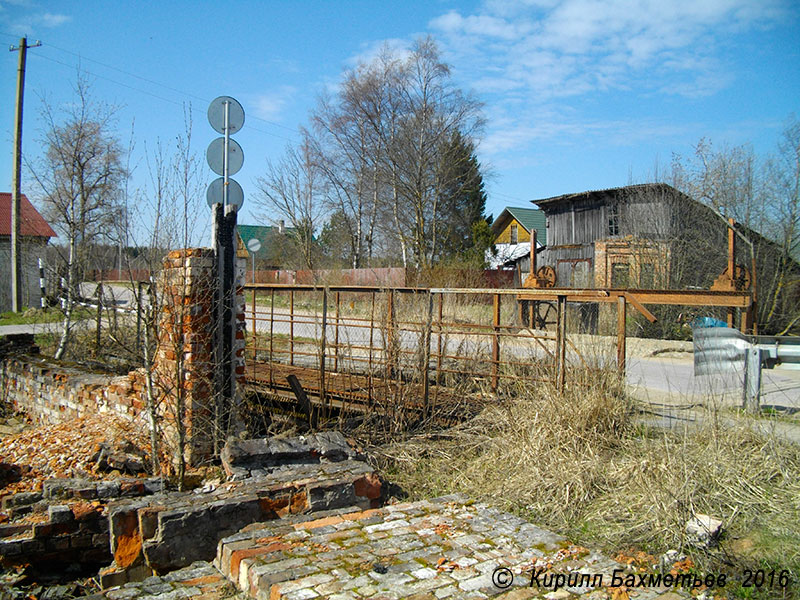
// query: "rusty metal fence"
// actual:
[[398, 349]]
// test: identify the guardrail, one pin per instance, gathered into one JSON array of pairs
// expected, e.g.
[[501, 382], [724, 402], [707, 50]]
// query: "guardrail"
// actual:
[[723, 349]]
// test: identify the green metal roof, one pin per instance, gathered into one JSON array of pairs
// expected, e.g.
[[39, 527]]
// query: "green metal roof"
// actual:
[[264, 234], [529, 218]]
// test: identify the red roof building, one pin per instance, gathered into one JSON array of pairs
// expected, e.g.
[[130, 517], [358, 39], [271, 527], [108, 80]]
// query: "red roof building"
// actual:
[[32, 224]]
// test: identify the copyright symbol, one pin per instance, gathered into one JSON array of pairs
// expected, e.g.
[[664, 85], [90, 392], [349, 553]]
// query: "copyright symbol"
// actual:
[[502, 577]]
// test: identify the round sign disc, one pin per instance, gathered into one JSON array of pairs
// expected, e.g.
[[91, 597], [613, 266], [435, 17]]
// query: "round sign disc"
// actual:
[[216, 152], [235, 193], [254, 245], [216, 114]]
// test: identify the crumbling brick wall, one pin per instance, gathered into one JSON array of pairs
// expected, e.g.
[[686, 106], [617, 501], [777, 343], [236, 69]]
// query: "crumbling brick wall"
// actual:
[[52, 391]]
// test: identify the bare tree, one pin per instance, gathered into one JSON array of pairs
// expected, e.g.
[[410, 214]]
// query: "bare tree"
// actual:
[[784, 188], [763, 197], [292, 187], [382, 145], [165, 216], [80, 178]]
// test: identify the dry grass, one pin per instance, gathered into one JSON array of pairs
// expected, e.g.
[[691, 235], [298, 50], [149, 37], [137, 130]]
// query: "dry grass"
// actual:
[[578, 464]]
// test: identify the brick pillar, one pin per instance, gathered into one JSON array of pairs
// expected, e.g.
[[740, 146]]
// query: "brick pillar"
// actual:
[[183, 361]]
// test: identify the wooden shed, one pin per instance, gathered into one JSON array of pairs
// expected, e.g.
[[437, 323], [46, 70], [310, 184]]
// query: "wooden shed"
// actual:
[[617, 237]]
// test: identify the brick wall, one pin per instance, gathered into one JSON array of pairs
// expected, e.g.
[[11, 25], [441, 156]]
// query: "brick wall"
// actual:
[[52, 392], [184, 369], [635, 253]]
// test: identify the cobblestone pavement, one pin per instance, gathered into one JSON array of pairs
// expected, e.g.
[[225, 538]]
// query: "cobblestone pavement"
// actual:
[[446, 547], [442, 548], [199, 580]]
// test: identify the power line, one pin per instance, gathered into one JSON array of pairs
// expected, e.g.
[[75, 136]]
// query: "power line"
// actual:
[[162, 98], [158, 84], [517, 199]]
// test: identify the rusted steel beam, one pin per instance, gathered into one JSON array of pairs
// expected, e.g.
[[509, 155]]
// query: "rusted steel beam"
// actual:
[[291, 326], [426, 356], [670, 297], [638, 306], [322, 350], [335, 288], [302, 400], [253, 332], [496, 342], [271, 329], [336, 334], [561, 346], [731, 249]]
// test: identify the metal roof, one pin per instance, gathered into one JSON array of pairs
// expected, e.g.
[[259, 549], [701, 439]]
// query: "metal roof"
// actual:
[[263, 233], [625, 188], [31, 224], [529, 218]]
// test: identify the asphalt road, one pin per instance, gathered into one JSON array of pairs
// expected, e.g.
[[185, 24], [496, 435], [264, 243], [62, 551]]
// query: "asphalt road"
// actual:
[[672, 381]]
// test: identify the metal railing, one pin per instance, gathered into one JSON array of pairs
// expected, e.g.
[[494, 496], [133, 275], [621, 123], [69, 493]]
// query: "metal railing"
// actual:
[[352, 346]]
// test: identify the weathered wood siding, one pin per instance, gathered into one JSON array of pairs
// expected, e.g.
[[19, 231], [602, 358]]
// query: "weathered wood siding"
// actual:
[[575, 224], [580, 222]]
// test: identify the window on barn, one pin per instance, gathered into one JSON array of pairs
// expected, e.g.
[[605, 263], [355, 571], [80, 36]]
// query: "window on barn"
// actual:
[[613, 219], [514, 234], [620, 275]]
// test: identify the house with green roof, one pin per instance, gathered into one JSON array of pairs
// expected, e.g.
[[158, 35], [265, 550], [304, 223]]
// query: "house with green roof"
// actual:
[[274, 243], [511, 232]]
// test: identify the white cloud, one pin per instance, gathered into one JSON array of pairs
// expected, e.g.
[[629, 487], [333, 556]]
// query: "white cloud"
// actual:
[[480, 25], [399, 48], [527, 57], [23, 17], [270, 105], [51, 20]]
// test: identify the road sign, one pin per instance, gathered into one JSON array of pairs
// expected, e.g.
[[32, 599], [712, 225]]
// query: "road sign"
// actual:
[[216, 153], [235, 193], [254, 245], [216, 115]]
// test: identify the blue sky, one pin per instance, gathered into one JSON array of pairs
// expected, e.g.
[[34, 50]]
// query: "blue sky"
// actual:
[[579, 94]]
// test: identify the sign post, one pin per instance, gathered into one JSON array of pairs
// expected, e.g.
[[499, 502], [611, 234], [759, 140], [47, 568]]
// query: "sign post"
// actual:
[[254, 245], [225, 197]]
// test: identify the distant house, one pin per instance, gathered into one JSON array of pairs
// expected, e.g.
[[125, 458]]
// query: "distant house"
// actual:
[[34, 236], [273, 240], [511, 232]]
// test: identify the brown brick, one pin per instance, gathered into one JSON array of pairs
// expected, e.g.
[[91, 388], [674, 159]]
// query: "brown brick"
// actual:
[[324, 522], [369, 486], [128, 543]]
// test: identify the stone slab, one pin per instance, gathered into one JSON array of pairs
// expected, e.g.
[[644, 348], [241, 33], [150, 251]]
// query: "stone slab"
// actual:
[[199, 580], [245, 458]]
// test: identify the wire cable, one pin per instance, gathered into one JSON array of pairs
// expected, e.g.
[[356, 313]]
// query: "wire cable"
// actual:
[[158, 84]]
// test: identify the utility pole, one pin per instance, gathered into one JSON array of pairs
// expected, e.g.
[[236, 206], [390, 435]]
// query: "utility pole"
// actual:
[[16, 279]]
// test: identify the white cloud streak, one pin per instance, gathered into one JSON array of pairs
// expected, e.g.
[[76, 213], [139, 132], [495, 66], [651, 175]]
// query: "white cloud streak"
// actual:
[[51, 20], [271, 105], [529, 57]]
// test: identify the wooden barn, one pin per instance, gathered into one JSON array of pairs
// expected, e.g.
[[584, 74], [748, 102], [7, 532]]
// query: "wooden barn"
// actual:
[[638, 236], [654, 237]]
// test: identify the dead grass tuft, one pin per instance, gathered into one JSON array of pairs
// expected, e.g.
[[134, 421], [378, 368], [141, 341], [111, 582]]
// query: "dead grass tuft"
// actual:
[[578, 463]]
